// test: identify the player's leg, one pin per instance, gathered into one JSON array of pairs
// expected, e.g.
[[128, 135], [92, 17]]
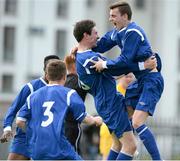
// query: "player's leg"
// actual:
[[19, 150], [128, 146], [149, 91], [14, 156], [145, 134], [126, 138], [115, 148]]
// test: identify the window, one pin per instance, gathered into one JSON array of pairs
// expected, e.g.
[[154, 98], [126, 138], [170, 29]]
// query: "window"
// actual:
[[7, 83], [36, 31], [140, 4], [10, 7], [62, 8], [9, 44], [61, 43]]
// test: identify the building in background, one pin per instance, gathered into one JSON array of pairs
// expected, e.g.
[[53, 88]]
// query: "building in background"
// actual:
[[32, 29]]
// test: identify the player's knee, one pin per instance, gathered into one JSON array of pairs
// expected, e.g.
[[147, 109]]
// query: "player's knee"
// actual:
[[130, 148], [135, 124], [133, 148]]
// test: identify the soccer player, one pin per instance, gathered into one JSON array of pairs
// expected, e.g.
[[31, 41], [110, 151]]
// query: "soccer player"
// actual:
[[45, 111], [102, 86], [134, 45], [72, 127], [19, 148]]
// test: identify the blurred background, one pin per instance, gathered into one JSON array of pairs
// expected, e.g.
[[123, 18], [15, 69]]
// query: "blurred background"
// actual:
[[33, 29]]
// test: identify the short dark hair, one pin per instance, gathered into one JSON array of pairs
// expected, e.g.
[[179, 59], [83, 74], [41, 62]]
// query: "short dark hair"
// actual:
[[124, 8], [81, 27], [49, 57], [56, 70]]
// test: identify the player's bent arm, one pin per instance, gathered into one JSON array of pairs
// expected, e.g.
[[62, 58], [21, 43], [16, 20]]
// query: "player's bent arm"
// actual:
[[21, 122], [77, 107], [23, 115], [150, 63], [106, 42]]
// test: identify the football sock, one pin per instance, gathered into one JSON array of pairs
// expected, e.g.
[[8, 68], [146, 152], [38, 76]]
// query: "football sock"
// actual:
[[112, 155], [149, 142]]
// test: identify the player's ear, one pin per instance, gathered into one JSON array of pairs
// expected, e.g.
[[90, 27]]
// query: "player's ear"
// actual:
[[64, 77], [46, 76], [85, 35]]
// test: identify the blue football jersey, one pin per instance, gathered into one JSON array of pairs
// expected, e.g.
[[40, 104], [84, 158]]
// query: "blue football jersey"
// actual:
[[45, 112], [134, 47], [102, 86], [19, 101]]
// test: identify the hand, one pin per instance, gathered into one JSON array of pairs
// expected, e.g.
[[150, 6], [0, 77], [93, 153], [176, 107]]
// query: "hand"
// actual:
[[97, 64], [98, 120], [150, 63], [6, 136], [73, 52]]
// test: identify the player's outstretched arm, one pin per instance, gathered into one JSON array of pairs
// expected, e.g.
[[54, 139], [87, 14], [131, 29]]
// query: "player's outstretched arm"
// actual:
[[150, 63]]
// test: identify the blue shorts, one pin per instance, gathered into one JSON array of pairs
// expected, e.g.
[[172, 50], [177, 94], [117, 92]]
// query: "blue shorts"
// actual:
[[19, 146], [117, 120], [145, 93]]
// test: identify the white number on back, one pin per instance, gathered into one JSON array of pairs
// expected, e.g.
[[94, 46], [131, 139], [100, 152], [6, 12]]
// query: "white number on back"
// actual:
[[48, 113]]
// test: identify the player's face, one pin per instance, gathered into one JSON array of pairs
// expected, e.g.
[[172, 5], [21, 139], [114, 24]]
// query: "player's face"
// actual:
[[93, 37], [116, 18]]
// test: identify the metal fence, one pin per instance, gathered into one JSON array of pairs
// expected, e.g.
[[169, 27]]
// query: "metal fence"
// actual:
[[167, 133]]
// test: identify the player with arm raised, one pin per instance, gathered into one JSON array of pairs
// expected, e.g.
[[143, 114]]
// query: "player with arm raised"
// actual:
[[146, 92]]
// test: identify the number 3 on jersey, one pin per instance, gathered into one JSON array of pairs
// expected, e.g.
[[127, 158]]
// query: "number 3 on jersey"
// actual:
[[48, 105]]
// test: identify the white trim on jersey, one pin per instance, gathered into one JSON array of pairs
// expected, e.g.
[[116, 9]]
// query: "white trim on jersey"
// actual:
[[112, 35], [142, 37], [7, 128], [80, 116], [78, 138], [28, 102], [87, 61], [87, 71], [43, 80], [69, 95], [83, 51], [21, 119], [122, 29], [30, 87]]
